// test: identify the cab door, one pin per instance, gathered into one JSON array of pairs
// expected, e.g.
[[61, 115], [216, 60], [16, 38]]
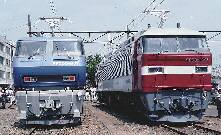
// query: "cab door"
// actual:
[[137, 63]]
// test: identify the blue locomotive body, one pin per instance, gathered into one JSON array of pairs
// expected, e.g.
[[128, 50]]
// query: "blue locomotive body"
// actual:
[[49, 79], [49, 63]]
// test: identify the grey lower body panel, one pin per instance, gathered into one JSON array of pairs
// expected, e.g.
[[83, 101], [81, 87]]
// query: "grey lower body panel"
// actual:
[[50, 107], [74, 120], [179, 118], [123, 83], [176, 106]]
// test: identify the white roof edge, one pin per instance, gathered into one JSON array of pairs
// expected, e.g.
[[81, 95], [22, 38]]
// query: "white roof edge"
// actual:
[[172, 31], [50, 39]]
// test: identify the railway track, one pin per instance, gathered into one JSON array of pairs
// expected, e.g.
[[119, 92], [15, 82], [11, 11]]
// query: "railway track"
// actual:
[[107, 122], [38, 129], [209, 130], [101, 118], [111, 124], [196, 128], [33, 131], [116, 124], [174, 129]]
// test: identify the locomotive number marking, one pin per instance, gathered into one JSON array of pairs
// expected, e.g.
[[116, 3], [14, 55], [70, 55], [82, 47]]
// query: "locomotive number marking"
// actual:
[[197, 59], [64, 63]]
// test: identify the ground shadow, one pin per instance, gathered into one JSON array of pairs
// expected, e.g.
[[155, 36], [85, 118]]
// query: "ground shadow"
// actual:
[[22, 125], [125, 114], [131, 116]]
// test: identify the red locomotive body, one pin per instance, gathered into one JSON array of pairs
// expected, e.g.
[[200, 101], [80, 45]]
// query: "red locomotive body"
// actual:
[[164, 72], [174, 71]]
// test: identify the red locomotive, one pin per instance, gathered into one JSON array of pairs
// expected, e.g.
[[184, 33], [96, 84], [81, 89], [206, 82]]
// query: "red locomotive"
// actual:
[[165, 73]]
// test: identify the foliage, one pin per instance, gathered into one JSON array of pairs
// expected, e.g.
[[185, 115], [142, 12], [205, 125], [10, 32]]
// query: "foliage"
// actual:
[[92, 61]]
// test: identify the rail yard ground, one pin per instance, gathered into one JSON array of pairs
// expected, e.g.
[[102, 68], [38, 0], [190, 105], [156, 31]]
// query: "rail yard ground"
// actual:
[[100, 120]]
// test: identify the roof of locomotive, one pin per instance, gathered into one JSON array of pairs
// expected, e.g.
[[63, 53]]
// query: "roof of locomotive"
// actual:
[[49, 39], [171, 32]]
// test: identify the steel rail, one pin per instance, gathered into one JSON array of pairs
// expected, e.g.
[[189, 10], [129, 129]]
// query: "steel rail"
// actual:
[[207, 129], [173, 129], [33, 131]]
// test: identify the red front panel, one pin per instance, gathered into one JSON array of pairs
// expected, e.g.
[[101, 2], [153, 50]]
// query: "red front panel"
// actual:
[[148, 82], [198, 59], [152, 83]]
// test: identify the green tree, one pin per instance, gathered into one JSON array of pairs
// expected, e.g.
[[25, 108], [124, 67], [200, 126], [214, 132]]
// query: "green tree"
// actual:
[[92, 61]]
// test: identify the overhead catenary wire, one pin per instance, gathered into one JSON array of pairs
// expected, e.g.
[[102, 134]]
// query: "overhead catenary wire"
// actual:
[[151, 3], [145, 13], [139, 20], [99, 37], [217, 34], [52, 6], [212, 31], [131, 25], [120, 35], [83, 39], [56, 22], [53, 22], [138, 16]]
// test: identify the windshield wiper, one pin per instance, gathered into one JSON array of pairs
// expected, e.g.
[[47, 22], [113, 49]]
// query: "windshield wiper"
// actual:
[[34, 54], [165, 51], [30, 57], [191, 50]]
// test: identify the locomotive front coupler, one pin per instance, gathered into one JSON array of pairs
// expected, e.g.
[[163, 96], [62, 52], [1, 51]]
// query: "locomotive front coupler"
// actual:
[[29, 105], [161, 104], [181, 104]]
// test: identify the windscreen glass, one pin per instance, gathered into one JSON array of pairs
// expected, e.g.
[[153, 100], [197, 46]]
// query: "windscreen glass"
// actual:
[[31, 48], [69, 48], [172, 44]]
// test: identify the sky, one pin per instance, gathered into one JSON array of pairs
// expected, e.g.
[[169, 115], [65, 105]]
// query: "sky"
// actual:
[[107, 14], [101, 15]]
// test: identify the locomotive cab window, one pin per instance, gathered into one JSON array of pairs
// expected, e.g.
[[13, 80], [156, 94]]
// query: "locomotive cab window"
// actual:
[[172, 44], [31, 48], [70, 48], [159, 45], [188, 43]]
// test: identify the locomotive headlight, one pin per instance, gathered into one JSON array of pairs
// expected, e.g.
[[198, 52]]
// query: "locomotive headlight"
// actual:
[[69, 78], [30, 79], [155, 69], [201, 69]]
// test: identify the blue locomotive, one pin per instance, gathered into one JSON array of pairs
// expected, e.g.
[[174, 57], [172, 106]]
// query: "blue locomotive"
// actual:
[[49, 79]]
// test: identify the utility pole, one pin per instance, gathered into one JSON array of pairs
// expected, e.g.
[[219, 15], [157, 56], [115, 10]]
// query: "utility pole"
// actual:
[[128, 32], [29, 25]]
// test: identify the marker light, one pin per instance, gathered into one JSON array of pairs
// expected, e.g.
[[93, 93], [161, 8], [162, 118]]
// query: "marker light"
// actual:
[[201, 69], [69, 78], [30, 79], [156, 70]]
